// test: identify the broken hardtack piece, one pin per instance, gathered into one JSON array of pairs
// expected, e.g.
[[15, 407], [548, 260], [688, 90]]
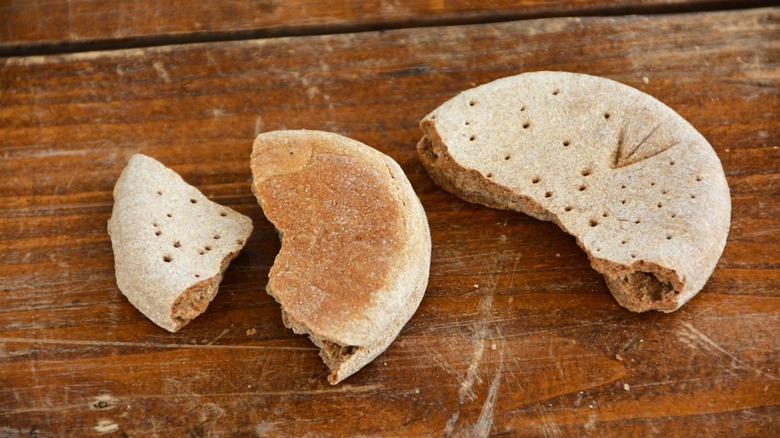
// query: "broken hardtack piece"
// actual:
[[641, 190], [171, 244], [356, 248]]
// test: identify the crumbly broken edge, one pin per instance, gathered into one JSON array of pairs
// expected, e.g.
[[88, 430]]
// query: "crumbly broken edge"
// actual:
[[639, 287], [345, 360], [195, 299], [333, 354]]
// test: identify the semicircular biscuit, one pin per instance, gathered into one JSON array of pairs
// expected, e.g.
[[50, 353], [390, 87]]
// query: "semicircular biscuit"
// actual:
[[640, 189], [171, 244], [356, 247]]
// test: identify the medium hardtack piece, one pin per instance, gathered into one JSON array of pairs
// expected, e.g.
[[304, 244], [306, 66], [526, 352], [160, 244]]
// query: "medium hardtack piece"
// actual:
[[171, 244], [356, 248], [640, 189]]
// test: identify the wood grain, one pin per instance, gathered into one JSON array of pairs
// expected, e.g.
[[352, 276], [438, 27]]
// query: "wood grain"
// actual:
[[516, 334], [52, 25]]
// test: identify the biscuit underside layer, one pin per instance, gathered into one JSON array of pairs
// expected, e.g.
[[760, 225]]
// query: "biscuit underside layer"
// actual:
[[355, 252], [639, 188]]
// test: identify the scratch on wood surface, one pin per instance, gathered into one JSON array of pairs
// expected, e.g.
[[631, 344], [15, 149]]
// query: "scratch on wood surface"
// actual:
[[106, 426], [85, 56], [224, 332], [480, 335], [152, 344], [346, 389], [39, 399], [550, 428], [439, 359], [472, 373], [216, 113], [691, 336], [485, 421], [265, 428], [71, 34], [591, 424], [210, 412], [58, 408], [46, 153], [243, 399], [211, 62], [258, 125], [161, 71]]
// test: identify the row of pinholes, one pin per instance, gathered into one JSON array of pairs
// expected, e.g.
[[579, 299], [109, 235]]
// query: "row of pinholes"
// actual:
[[593, 222], [168, 258]]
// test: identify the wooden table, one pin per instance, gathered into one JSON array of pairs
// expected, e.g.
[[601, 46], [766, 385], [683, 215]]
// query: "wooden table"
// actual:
[[516, 335]]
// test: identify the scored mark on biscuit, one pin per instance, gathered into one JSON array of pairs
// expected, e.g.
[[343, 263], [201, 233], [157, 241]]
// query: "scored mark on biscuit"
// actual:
[[625, 157]]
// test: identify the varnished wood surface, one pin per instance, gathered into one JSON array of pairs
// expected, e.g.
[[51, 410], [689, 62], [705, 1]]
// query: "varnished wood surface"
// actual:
[[516, 334], [57, 25]]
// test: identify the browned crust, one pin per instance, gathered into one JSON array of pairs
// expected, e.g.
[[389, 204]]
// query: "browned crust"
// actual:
[[355, 243]]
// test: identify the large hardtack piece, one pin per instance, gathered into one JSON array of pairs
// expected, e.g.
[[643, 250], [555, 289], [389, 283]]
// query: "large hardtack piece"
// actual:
[[641, 190]]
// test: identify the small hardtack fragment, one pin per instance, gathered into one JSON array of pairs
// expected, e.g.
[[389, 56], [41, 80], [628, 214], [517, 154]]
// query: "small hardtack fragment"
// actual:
[[171, 244], [356, 248], [641, 190]]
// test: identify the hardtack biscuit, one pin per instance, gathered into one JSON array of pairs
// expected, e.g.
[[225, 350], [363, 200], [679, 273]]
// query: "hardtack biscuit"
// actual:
[[641, 190], [171, 244], [356, 247]]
